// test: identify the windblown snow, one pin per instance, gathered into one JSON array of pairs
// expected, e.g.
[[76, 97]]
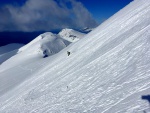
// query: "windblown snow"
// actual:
[[107, 71], [71, 35]]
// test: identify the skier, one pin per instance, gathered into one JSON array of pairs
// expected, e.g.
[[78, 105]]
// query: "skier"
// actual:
[[68, 53]]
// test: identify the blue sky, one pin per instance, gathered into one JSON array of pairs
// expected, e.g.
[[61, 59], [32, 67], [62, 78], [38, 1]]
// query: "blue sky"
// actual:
[[103, 9], [32, 15]]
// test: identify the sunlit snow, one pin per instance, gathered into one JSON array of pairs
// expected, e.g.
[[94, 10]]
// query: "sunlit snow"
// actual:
[[107, 71]]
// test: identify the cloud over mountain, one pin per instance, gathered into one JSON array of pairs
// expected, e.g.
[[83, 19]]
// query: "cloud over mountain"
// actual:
[[37, 15]]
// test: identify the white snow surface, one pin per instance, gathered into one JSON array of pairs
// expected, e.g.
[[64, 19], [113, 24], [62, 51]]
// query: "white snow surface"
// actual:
[[46, 44], [107, 71], [71, 35]]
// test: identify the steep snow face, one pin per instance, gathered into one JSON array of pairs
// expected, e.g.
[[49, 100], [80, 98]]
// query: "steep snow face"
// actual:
[[107, 71], [71, 35], [8, 51]]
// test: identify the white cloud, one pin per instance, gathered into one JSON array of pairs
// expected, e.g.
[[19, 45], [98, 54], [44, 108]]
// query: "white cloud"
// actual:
[[38, 15]]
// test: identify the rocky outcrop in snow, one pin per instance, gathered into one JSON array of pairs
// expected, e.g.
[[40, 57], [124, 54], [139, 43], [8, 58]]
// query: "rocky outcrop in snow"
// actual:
[[51, 44]]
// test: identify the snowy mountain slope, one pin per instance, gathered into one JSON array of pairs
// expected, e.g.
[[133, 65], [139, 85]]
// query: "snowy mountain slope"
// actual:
[[107, 72], [44, 45], [71, 35], [22, 64], [8, 51]]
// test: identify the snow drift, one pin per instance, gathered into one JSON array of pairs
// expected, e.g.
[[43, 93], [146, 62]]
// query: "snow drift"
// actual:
[[71, 35], [107, 71]]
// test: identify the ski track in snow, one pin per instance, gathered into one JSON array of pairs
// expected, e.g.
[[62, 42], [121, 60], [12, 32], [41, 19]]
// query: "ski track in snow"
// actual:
[[107, 72]]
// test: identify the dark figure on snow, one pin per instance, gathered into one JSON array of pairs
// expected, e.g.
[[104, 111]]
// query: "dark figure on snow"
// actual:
[[68, 53], [146, 97]]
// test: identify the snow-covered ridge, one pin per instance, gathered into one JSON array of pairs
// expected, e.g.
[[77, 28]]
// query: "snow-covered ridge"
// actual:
[[46, 44], [49, 43], [71, 35], [107, 71]]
